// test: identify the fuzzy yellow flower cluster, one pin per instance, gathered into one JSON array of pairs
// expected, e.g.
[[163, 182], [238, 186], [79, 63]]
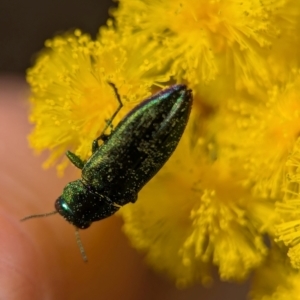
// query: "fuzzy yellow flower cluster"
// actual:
[[71, 98], [233, 182], [201, 40]]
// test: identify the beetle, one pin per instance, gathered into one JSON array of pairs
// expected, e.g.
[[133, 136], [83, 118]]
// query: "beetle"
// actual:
[[134, 151]]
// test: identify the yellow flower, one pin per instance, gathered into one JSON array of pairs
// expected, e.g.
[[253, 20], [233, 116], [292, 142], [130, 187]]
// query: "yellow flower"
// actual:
[[195, 213], [201, 39], [286, 133], [223, 188], [71, 98], [276, 279], [259, 135], [288, 230]]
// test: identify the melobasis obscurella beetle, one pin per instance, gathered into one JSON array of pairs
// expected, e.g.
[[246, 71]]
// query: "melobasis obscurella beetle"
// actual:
[[126, 160]]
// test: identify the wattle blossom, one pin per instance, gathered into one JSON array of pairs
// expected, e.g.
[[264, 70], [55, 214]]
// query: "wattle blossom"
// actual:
[[288, 228], [70, 90], [202, 40]]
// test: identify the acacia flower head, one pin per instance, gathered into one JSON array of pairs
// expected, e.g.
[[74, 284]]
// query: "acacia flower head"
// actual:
[[71, 97], [224, 178], [197, 213], [201, 40], [288, 209], [258, 133], [287, 135]]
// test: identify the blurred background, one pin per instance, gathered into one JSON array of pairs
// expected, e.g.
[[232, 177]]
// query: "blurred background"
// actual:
[[25, 25]]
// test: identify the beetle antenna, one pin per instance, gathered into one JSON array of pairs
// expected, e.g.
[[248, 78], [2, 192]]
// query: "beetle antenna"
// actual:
[[39, 216], [80, 245]]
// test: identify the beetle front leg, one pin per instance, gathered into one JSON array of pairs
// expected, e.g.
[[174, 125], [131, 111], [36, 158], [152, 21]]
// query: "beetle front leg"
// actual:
[[75, 160], [109, 122], [104, 136], [95, 145]]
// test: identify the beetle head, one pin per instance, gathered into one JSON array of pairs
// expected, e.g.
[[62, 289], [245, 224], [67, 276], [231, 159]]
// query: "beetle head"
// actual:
[[72, 204], [80, 205]]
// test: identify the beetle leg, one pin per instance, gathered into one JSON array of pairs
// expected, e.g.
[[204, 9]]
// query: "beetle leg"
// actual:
[[134, 198], [75, 160], [95, 145], [117, 205], [109, 124], [104, 136]]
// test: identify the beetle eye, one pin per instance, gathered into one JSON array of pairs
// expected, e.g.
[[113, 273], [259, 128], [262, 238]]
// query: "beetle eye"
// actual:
[[63, 209], [66, 208]]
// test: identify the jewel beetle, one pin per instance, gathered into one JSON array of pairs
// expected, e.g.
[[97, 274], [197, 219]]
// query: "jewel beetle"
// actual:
[[127, 158]]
